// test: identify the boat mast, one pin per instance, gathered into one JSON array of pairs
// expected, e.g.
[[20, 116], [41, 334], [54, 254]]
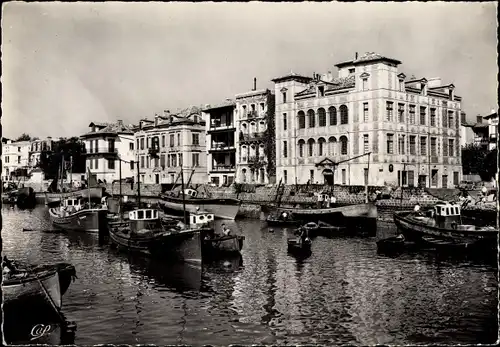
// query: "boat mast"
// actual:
[[138, 185], [183, 197], [71, 171], [88, 185]]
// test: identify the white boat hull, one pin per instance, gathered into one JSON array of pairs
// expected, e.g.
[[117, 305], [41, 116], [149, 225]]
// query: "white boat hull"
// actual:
[[218, 210]]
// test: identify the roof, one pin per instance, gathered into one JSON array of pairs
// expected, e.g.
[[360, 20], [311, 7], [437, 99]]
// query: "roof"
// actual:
[[99, 124], [179, 117], [252, 93], [225, 103], [480, 125], [292, 76], [111, 128], [336, 84], [492, 115], [367, 57]]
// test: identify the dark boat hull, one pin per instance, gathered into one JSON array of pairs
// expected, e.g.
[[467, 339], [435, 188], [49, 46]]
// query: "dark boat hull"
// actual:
[[222, 245], [184, 246], [294, 246], [55, 198], [282, 223], [390, 245], [221, 208], [92, 220]]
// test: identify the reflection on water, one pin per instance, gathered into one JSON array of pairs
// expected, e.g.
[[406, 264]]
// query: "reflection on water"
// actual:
[[344, 293]]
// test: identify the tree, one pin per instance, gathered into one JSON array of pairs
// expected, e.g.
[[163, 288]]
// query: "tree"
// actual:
[[490, 165], [473, 157], [24, 137], [73, 148]]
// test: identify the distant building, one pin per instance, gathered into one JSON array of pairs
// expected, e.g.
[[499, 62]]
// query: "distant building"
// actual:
[[255, 128], [411, 127], [492, 120], [37, 147], [105, 144], [180, 141], [481, 133], [466, 132], [221, 142], [15, 160]]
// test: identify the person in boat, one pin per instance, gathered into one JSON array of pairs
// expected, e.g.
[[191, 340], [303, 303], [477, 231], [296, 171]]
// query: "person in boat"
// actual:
[[320, 200], [104, 202], [284, 215], [303, 235], [8, 268], [327, 201], [225, 230], [333, 201], [416, 209]]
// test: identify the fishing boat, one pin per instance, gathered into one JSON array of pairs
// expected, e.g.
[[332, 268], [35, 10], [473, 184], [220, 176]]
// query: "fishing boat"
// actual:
[[391, 244], [78, 214], [282, 218], [442, 227], [216, 244], [145, 232], [56, 198], [297, 247], [367, 210], [35, 288], [321, 228]]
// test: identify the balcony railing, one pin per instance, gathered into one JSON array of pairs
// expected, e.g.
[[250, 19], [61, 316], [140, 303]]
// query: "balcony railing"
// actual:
[[256, 136], [219, 126], [222, 147], [223, 168], [103, 150]]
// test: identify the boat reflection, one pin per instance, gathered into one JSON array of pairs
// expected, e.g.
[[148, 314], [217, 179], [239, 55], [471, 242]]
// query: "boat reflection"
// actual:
[[225, 263], [180, 277], [36, 329]]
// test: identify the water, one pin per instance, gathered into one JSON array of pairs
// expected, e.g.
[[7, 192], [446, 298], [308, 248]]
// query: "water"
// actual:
[[343, 294]]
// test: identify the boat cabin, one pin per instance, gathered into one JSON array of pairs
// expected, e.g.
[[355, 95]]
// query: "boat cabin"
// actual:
[[72, 204], [446, 214], [144, 219], [190, 193], [200, 219]]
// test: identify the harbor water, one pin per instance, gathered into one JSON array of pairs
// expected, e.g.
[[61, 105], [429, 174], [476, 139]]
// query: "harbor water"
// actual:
[[344, 293]]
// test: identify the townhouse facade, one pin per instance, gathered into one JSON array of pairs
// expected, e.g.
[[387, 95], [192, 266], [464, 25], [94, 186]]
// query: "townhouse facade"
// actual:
[[492, 138], [110, 148], [255, 159], [169, 143], [369, 125], [221, 142], [15, 159], [466, 131], [39, 146]]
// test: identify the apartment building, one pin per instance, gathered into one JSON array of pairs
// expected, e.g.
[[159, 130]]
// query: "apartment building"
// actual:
[[255, 157], [39, 146], [221, 142], [170, 142], [110, 147], [15, 159], [370, 124]]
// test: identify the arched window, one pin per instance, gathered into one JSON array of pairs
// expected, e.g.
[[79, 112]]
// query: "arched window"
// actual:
[[253, 128], [244, 174], [244, 126], [344, 114], [262, 126], [301, 148], [321, 147], [302, 119], [332, 144], [332, 111], [343, 145], [321, 117], [312, 118], [310, 147]]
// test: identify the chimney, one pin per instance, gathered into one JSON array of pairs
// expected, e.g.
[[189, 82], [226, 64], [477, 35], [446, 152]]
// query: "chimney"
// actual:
[[479, 119], [120, 122], [166, 113], [254, 83], [462, 116], [356, 56], [434, 82], [156, 119]]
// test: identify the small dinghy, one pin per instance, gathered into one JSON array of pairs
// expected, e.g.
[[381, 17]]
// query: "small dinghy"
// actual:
[[391, 244], [328, 229], [300, 245]]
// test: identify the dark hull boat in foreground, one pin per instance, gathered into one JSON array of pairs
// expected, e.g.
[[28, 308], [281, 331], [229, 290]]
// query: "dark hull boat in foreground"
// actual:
[[216, 245], [52, 199], [72, 215], [391, 245], [441, 228]]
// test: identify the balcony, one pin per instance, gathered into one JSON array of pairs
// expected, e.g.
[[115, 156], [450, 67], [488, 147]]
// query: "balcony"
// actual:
[[252, 137], [222, 148], [223, 168], [102, 150], [493, 137], [219, 127]]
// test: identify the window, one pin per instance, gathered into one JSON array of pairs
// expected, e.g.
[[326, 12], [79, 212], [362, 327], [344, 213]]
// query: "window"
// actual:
[[147, 142], [433, 117], [111, 164], [412, 114], [423, 146], [321, 146], [301, 148], [91, 163], [284, 121], [19, 159], [173, 157], [284, 97], [344, 180], [389, 109], [162, 160], [131, 146], [180, 159], [332, 111], [433, 146], [401, 144], [262, 106], [365, 84], [366, 144], [302, 120], [131, 165], [157, 162], [163, 140], [401, 113], [321, 91], [142, 162], [401, 86], [365, 112], [137, 145], [450, 119], [413, 145], [312, 118], [451, 146], [351, 71], [285, 176], [344, 114], [310, 147], [178, 139], [390, 143], [411, 178], [445, 118], [196, 159], [96, 164], [343, 145], [285, 149], [172, 140], [147, 162], [422, 115], [445, 181], [455, 178], [142, 142], [7, 159], [196, 139], [19, 149], [321, 117]]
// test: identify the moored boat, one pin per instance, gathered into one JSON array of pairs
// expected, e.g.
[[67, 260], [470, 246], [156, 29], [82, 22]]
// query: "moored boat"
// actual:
[[367, 210], [442, 226], [216, 244], [391, 244], [56, 198], [76, 214], [220, 208], [145, 232]]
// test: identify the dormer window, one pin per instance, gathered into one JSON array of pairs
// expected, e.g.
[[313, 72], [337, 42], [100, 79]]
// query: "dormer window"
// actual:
[[321, 91], [364, 80], [93, 128], [284, 97], [352, 71], [401, 78]]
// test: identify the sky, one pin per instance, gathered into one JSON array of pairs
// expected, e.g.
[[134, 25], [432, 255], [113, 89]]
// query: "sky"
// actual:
[[67, 64]]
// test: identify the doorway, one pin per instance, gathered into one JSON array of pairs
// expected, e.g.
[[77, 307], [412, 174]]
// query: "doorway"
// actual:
[[157, 178], [328, 176]]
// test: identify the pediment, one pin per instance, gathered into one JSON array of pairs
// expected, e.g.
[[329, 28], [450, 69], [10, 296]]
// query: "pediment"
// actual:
[[364, 75]]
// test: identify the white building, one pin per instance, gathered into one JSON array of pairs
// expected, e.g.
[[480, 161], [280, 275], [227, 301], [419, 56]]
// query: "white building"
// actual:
[[37, 147], [492, 120], [105, 144], [15, 155]]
